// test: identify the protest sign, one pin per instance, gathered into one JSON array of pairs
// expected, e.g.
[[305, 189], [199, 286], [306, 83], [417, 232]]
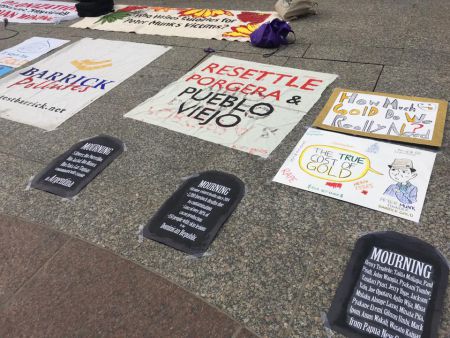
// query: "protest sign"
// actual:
[[382, 176], [385, 116], [186, 22], [47, 93], [5, 70], [190, 219], [70, 172], [240, 104], [394, 286], [28, 50], [33, 11]]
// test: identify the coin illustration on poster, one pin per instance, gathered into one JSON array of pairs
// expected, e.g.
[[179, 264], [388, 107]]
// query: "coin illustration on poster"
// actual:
[[191, 218], [394, 287], [70, 172]]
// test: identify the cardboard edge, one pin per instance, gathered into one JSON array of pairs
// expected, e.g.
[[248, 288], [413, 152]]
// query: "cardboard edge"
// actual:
[[438, 132]]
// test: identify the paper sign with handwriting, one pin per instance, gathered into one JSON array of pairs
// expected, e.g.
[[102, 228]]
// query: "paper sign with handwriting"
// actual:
[[243, 105], [382, 176], [385, 116], [28, 50], [49, 92]]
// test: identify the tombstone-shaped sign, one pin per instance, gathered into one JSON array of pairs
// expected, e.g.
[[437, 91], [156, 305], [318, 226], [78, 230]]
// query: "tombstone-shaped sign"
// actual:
[[393, 287], [190, 219], [70, 172]]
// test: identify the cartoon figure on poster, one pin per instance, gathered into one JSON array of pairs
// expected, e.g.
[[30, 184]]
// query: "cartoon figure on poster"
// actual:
[[402, 172], [381, 176]]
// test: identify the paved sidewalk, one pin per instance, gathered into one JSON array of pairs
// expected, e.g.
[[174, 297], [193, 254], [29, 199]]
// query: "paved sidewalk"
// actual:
[[275, 265], [53, 285]]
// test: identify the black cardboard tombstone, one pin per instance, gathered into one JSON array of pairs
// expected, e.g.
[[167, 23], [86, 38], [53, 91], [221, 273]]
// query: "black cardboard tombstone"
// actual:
[[70, 172], [394, 287], [190, 219]]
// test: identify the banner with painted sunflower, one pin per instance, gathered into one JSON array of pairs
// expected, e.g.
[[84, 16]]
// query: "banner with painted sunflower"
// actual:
[[185, 22]]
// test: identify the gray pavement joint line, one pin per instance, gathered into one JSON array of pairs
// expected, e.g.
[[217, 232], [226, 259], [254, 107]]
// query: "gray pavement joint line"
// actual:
[[254, 53], [200, 61], [157, 273], [356, 62], [378, 79], [39, 269], [306, 50]]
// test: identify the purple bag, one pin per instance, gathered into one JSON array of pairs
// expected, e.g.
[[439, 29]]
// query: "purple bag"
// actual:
[[271, 34]]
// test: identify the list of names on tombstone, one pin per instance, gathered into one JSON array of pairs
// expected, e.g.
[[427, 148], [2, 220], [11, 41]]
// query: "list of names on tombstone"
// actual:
[[391, 295]]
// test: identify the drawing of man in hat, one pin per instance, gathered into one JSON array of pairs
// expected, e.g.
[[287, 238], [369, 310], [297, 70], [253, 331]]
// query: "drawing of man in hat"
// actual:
[[402, 171]]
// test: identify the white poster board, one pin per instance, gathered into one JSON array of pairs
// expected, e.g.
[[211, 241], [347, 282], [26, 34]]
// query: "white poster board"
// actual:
[[47, 93], [385, 116], [28, 50], [243, 105], [200, 23], [382, 176], [32, 11]]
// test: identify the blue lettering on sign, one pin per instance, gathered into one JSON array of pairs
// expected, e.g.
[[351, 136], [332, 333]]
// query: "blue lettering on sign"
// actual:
[[68, 78]]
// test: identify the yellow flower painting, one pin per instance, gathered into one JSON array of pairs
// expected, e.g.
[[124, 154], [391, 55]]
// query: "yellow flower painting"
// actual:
[[242, 31], [204, 13]]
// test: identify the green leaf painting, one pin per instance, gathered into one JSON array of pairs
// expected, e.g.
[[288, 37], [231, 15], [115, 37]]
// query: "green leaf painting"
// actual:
[[109, 18]]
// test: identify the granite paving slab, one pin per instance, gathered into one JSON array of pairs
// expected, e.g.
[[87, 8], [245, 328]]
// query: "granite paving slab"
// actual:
[[334, 28], [86, 291], [422, 82], [5, 128], [362, 8], [329, 52], [378, 55], [23, 249], [430, 33], [433, 8], [425, 58]]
